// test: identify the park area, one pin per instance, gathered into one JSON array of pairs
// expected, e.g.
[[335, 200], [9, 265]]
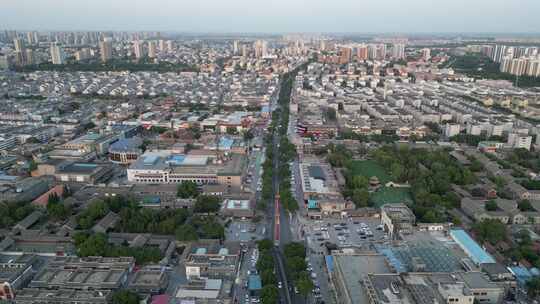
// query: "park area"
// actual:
[[384, 195]]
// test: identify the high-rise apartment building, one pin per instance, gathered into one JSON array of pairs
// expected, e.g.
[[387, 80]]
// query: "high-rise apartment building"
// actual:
[[170, 45], [499, 52], [106, 49], [138, 49], [162, 46], [426, 54], [236, 50], [345, 54], [398, 51], [30, 57], [372, 51], [83, 54], [362, 52], [152, 50], [20, 52], [57, 53]]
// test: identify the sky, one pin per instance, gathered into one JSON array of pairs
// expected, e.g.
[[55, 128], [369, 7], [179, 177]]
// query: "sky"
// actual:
[[275, 16]]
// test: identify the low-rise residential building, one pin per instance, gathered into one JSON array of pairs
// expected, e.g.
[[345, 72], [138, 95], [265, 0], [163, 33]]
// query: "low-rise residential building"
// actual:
[[397, 219], [15, 273], [212, 260]]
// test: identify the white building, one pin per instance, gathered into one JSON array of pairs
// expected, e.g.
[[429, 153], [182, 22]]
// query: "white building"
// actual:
[[452, 130], [57, 54], [519, 141]]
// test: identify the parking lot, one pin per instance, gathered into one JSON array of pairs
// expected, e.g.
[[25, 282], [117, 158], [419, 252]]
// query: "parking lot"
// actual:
[[350, 232]]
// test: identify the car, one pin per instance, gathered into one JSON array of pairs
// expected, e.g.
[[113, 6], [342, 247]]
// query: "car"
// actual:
[[247, 297], [320, 239], [279, 285], [380, 227], [309, 269], [356, 222], [313, 275], [343, 224], [296, 290]]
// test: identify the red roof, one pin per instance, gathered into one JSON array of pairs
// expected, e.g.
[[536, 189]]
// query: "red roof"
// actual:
[[160, 299], [44, 198]]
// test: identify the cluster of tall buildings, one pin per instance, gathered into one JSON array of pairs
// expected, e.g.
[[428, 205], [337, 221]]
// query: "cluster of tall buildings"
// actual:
[[74, 38], [515, 60], [57, 54], [23, 55], [498, 52], [350, 52], [260, 49], [523, 66]]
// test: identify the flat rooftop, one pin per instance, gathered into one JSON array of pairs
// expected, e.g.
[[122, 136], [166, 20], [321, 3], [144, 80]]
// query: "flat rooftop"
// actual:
[[354, 268]]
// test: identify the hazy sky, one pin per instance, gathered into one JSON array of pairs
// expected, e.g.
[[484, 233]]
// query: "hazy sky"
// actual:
[[360, 16]]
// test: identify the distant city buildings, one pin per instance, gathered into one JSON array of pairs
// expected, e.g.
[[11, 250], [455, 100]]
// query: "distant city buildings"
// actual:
[[57, 54], [106, 49], [152, 49], [138, 49]]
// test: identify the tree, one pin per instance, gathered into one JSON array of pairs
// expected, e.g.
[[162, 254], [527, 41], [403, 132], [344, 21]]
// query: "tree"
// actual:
[[265, 262], [32, 165], [490, 230], [533, 287], [125, 296], [186, 232], [207, 204], [269, 294], [491, 205], [231, 130], [295, 249], [265, 245], [56, 208], [397, 171], [360, 197], [268, 277], [187, 189], [304, 285], [525, 205]]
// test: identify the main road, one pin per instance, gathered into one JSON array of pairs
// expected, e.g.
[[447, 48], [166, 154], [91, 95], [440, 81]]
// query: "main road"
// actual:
[[279, 231]]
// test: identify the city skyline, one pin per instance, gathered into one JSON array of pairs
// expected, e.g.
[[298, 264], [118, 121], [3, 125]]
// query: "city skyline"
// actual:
[[280, 16]]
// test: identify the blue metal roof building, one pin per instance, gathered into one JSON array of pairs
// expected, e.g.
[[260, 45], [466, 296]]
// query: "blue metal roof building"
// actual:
[[254, 284], [471, 248]]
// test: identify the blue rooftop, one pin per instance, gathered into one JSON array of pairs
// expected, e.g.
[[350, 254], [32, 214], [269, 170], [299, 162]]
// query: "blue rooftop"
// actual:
[[329, 263], [176, 159], [473, 250], [523, 275], [254, 282], [150, 160], [312, 204], [225, 143]]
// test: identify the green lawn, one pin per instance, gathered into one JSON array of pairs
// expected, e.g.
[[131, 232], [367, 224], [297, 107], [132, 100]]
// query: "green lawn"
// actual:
[[384, 195], [369, 168], [391, 196]]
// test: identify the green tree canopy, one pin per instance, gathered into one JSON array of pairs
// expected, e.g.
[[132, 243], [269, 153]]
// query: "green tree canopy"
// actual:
[[187, 189]]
